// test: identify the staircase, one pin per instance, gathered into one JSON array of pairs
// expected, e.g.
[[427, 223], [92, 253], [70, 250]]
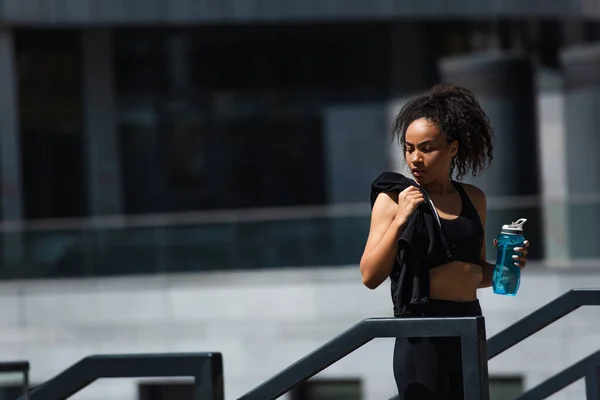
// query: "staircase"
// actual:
[[207, 368]]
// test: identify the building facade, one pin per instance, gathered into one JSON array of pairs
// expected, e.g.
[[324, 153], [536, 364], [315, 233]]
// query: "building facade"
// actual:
[[199, 160]]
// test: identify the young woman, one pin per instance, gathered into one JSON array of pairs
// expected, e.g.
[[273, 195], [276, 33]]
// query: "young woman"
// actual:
[[427, 234]]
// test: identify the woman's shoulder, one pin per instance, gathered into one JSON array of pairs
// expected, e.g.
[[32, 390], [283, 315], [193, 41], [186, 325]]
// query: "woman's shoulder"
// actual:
[[472, 190], [476, 195]]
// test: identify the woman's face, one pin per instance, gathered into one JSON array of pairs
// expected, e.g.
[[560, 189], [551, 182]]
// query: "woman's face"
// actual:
[[427, 152]]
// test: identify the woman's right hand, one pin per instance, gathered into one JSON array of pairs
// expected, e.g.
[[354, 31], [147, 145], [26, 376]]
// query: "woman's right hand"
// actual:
[[408, 201]]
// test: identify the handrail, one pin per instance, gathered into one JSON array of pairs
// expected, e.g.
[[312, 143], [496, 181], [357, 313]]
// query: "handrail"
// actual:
[[18, 366], [254, 214], [471, 330], [14, 366], [186, 218], [205, 368], [588, 368], [539, 319]]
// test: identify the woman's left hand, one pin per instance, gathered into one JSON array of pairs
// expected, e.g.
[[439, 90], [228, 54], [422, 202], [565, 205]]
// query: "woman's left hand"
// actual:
[[521, 258]]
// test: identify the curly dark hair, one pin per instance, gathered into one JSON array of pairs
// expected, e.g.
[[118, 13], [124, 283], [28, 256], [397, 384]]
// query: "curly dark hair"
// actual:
[[459, 116]]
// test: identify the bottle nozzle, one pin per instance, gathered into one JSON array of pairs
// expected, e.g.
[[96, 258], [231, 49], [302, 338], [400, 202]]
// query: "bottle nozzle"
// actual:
[[520, 222], [515, 226]]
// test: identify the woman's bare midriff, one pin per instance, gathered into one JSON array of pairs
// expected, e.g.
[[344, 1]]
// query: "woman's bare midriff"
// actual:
[[455, 281]]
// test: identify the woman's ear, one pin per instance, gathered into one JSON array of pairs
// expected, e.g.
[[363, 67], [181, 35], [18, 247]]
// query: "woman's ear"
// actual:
[[454, 148]]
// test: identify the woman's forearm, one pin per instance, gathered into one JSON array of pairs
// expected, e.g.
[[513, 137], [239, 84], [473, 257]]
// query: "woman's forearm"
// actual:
[[487, 270]]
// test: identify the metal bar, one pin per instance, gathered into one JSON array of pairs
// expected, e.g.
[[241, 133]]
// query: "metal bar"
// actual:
[[562, 379], [209, 381], [592, 383], [14, 366], [231, 216], [134, 365], [26, 384], [66, 383], [363, 332], [205, 366], [541, 318], [311, 364], [186, 218], [474, 361]]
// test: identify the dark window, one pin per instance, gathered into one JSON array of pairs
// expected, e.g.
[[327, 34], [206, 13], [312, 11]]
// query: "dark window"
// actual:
[[231, 116], [50, 101], [325, 389], [505, 388]]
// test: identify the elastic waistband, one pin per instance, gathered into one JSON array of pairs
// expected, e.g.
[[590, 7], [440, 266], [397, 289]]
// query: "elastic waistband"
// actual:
[[443, 308], [447, 308]]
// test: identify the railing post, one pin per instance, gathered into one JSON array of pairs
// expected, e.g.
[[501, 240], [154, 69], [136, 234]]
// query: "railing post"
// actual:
[[474, 361], [208, 384], [26, 384], [592, 383], [20, 367]]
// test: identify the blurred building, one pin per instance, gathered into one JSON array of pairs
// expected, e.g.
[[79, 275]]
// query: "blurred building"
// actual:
[[194, 176]]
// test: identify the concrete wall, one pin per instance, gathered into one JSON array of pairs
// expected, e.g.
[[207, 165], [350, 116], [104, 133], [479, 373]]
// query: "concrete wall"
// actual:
[[267, 317]]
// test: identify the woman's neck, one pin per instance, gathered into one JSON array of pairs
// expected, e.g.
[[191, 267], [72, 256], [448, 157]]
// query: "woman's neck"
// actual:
[[438, 187]]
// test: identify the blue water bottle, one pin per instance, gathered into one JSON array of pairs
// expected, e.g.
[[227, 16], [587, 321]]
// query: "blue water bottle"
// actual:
[[507, 275]]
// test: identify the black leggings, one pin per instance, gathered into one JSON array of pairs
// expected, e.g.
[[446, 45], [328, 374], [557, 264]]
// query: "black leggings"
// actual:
[[431, 368]]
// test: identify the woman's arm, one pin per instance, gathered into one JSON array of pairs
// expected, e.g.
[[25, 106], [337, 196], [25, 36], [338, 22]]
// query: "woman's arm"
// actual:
[[388, 219], [380, 250], [487, 268], [480, 202]]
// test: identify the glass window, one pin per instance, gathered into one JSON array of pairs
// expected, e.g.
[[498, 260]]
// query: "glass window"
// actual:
[[74, 251], [50, 101], [505, 388], [321, 389], [231, 116]]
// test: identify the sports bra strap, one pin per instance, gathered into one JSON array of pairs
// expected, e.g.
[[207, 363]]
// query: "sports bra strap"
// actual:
[[445, 243], [466, 200]]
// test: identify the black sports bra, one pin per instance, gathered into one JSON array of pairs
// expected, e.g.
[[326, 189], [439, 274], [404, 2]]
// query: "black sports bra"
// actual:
[[464, 234]]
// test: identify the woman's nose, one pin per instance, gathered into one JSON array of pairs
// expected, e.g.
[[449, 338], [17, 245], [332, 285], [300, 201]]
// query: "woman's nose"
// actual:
[[416, 156]]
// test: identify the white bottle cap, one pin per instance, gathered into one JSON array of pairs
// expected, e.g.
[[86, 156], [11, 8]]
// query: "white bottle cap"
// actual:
[[515, 228]]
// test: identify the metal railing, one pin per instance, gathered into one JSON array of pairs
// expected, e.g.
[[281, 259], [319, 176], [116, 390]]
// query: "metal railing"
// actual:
[[541, 318], [587, 368], [22, 367], [471, 330], [205, 368], [538, 320]]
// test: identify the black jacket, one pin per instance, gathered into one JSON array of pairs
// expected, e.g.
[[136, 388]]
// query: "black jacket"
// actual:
[[421, 245]]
